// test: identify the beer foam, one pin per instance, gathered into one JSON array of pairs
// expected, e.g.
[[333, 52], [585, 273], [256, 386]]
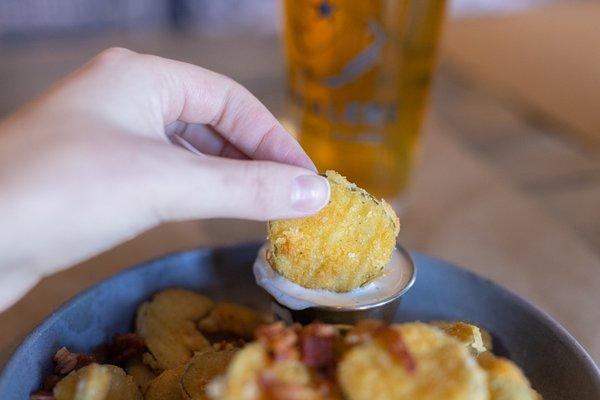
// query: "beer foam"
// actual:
[[397, 276]]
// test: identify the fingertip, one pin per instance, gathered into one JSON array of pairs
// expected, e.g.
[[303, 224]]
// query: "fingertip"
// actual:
[[304, 161], [309, 194]]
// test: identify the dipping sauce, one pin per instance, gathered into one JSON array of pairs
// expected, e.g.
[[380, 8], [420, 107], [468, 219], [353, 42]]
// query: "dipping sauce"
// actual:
[[396, 278]]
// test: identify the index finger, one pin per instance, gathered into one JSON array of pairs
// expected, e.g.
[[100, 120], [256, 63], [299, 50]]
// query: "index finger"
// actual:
[[196, 95]]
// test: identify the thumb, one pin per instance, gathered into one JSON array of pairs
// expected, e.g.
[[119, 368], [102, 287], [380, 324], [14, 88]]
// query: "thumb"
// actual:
[[214, 187]]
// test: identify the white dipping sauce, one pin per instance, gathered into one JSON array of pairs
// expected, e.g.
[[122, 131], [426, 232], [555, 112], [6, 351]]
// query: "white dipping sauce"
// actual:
[[397, 276]]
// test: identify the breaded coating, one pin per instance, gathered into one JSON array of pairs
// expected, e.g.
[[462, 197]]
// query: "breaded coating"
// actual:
[[231, 318], [253, 376], [469, 335], [141, 373], [166, 386], [441, 369], [344, 246], [505, 379], [168, 326], [97, 382], [202, 368]]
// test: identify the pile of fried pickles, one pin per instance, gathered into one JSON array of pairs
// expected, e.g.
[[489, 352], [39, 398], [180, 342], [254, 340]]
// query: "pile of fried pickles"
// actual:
[[188, 347]]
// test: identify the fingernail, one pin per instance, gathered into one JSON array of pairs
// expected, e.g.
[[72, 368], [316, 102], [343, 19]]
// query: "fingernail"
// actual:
[[310, 193]]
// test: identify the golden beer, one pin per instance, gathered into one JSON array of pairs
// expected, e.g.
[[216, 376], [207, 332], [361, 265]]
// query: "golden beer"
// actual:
[[358, 77]]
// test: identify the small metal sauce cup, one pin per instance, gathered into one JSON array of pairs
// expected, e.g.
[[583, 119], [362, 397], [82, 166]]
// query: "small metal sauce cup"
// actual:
[[384, 309]]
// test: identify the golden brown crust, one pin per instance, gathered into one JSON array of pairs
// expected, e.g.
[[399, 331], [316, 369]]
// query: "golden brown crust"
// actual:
[[230, 318], [203, 368], [97, 382], [252, 375], [166, 386], [505, 380], [141, 373], [471, 336], [342, 247], [168, 326], [443, 369]]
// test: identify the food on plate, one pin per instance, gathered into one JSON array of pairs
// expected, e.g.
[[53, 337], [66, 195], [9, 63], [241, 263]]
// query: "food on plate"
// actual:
[[206, 365], [168, 325], [410, 361], [505, 380], [166, 386], [141, 373], [476, 339], [344, 246], [97, 382], [262, 371], [233, 319], [442, 360]]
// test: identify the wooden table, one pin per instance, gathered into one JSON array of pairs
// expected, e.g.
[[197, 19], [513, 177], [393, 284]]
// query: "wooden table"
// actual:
[[464, 206]]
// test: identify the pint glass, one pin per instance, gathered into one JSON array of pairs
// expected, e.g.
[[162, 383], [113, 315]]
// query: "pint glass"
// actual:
[[358, 76]]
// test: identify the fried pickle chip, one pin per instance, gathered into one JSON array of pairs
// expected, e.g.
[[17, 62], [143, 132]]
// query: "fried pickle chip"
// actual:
[[166, 386], [505, 379], [203, 368], [469, 335], [344, 246], [141, 373], [440, 368], [230, 318], [168, 326], [252, 376], [97, 382]]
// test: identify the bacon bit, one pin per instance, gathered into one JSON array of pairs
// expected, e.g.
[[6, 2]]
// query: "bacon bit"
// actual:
[[50, 381], [389, 338], [317, 345], [279, 339], [392, 340], [42, 395], [125, 347], [363, 331], [66, 361], [274, 389]]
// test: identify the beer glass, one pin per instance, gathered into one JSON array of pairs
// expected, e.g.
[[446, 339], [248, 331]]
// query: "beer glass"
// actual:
[[358, 77]]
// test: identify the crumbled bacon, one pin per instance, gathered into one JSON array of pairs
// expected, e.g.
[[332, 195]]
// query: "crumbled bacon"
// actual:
[[50, 381], [125, 347], [274, 389], [390, 339], [42, 395], [279, 339], [66, 361], [317, 345]]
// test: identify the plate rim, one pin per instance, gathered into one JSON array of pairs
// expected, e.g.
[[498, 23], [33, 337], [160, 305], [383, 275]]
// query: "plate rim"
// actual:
[[200, 252]]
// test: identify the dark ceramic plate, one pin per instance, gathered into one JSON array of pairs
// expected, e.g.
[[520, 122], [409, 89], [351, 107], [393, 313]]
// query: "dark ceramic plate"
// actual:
[[556, 364]]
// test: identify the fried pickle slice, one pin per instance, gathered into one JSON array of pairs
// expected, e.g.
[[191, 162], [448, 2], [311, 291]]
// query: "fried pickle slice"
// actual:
[[141, 373], [505, 380], [167, 324], [253, 376], [471, 336], [433, 366], [203, 368], [233, 319], [344, 246], [97, 382], [166, 386]]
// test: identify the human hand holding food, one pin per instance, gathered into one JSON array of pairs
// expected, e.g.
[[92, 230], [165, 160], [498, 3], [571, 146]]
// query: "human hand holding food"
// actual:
[[89, 164]]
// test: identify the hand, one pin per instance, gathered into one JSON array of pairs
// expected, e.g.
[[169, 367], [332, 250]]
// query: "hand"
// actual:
[[90, 163]]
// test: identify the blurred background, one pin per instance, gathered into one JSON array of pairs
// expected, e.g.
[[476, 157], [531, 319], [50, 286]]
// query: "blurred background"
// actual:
[[506, 180]]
